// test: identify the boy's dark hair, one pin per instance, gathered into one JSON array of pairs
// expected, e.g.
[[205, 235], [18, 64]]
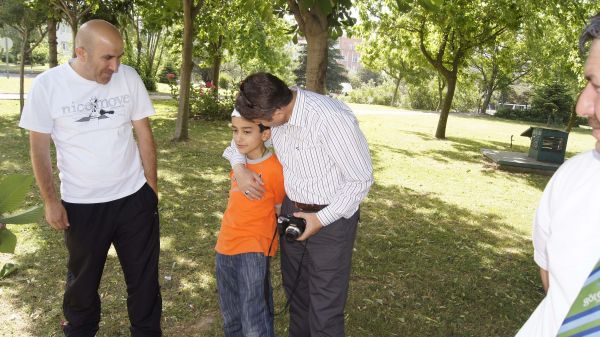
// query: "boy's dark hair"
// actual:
[[260, 95], [590, 32], [262, 128]]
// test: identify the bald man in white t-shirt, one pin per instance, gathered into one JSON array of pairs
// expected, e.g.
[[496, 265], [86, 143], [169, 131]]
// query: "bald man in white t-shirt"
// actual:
[[89, 108]]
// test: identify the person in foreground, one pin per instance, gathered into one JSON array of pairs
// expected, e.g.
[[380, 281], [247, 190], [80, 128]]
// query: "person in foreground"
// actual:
[[327, 173], [567, 226], [247, 239], [108, 183]]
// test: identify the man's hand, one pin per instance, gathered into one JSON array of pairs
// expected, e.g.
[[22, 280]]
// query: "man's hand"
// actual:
[[313, 224], [249, 182], [56, 215]]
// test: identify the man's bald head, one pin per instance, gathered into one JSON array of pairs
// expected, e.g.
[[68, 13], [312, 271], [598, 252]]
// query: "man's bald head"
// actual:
[[95, 31], [99, 48]]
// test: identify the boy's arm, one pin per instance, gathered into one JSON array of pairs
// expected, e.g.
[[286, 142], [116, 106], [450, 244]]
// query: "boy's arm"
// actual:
[[249, 182]]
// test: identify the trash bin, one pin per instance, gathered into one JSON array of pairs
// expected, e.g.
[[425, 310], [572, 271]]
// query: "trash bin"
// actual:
[[547, 145]]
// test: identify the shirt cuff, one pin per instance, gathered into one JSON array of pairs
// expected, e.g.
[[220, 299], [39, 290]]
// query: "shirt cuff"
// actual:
[[326, 216]]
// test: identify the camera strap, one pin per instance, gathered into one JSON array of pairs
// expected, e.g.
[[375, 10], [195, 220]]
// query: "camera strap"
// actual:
[[268, 274]]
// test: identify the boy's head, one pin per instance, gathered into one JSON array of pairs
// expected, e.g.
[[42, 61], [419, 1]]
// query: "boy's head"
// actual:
[[248, 136]]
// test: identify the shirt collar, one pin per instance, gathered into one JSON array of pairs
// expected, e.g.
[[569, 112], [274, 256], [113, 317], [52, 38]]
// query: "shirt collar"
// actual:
[[299, 115]]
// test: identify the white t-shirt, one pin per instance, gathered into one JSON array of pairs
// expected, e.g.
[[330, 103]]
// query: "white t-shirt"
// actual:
[[566, 231], [90, 124]]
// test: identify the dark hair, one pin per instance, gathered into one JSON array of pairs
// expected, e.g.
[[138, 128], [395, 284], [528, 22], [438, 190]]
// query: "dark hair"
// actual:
[[590, 32], [262, 128], [260, 95]]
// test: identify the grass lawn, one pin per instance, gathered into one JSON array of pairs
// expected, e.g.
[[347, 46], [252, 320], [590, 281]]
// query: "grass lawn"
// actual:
[[442, 250]]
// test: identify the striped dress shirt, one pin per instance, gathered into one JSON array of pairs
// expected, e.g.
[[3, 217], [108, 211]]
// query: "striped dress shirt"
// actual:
[[324, 154]]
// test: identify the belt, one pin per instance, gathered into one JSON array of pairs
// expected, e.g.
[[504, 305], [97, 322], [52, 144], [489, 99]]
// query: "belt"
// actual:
[[308, 207]]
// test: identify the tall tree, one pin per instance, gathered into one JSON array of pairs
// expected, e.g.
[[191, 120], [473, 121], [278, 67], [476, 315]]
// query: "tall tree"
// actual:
[[319, 20], [336, 73], [446, 32], [73, 11], [396, 55], [500, 64], [27, 19], [191, 9]]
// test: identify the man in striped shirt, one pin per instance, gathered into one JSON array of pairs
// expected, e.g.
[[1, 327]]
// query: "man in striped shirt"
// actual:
[[327, 173]]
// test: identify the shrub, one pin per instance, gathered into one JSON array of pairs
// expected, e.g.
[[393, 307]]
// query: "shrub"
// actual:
[[226, 81], [370, 93], [207, 103], [422, 97], [167, 72], [552, 104]]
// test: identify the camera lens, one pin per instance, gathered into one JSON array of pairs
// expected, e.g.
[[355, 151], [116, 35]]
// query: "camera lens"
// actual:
[[292, 233]]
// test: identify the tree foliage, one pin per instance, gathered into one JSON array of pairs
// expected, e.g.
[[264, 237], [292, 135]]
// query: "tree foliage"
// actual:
[[336, 73], [318, 21], [29, 20], [445, 32]]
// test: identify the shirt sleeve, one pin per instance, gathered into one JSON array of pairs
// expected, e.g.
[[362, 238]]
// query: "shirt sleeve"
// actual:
[[36, 115], [142, 105], [232, 154], [541, 227], [345, 143], [278, 186]]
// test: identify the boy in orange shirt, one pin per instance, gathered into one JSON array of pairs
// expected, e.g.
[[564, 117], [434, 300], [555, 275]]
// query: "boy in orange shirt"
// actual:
[[247, 239]]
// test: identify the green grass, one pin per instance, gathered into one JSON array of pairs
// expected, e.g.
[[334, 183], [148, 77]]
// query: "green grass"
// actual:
[[442, 250]]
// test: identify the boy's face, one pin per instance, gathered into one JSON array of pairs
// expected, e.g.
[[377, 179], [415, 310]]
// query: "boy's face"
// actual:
[[248, 138]]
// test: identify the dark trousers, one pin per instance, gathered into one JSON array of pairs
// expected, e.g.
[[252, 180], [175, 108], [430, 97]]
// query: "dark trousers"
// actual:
[[131, 224], [318, 300]]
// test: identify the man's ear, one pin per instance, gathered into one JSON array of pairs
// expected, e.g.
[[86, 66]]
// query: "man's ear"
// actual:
[[81, 53]]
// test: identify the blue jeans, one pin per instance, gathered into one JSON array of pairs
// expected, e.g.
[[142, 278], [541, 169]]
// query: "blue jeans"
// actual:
[[243, 295]]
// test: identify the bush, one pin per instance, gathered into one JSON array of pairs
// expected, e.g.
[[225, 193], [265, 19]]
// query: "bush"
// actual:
[[226, 81], [423, 96], [370, 93], [466, 97], [168, 74], [207, 103], [551, 104]]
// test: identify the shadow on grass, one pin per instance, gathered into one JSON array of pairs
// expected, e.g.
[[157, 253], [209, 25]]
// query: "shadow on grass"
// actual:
[[422, 267]]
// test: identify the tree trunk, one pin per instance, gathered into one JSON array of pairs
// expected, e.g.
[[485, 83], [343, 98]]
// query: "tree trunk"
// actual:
[[74, 34], [441, 86], [440, 132], [52, 44], [396, 91], [216, 65], [181, 125], [573, 117], [316, 60], [489, 91], [25, 40]]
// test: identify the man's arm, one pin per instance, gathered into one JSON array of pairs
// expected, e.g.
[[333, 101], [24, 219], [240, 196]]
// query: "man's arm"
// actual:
[[247, 180], [55, 213], [147, 151], [545, 279]]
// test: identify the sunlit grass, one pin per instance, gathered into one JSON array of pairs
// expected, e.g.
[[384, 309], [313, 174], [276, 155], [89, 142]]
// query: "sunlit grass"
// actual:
[[442, 250]]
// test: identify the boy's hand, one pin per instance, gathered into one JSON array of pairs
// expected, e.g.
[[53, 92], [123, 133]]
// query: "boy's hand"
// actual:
[[249, 182], [313, 224]]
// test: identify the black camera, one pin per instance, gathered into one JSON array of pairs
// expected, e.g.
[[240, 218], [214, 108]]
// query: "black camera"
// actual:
[[291, 227]]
